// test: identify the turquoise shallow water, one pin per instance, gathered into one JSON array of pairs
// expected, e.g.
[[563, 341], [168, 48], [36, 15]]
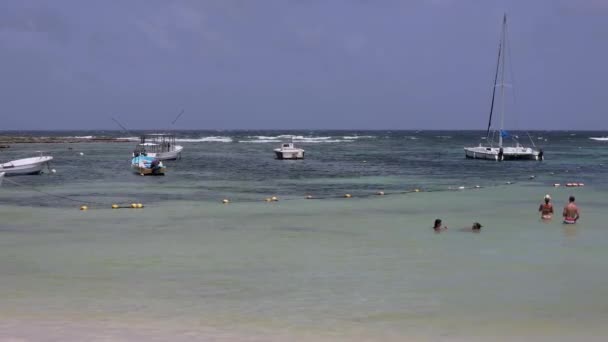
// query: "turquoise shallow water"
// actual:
[[367, 268]]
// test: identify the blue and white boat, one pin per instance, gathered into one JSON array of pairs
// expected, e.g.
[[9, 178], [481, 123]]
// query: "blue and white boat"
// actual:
[[145, 165]]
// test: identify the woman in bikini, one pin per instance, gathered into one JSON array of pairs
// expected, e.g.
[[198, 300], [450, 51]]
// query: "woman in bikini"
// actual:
[[546, 209]]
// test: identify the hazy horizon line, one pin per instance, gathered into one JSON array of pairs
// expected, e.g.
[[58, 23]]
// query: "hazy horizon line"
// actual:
[[298, 130]]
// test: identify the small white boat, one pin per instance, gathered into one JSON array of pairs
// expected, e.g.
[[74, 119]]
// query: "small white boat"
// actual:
[[289, 151], [26, 166], [498, 151], [159, 146], [2, 177], [146, 165]]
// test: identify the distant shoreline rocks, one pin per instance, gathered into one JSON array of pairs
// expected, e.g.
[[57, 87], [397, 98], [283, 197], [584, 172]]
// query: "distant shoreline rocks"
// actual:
[[6, 140]]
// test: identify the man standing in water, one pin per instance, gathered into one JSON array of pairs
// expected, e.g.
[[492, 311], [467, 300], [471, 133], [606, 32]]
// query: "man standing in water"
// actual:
[[571, 213], [546, 209]]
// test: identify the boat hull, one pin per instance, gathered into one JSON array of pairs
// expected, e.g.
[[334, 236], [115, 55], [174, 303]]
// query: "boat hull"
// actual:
[[508, 153], [27, 166], [168, 155], [146, 171], [284, 155]]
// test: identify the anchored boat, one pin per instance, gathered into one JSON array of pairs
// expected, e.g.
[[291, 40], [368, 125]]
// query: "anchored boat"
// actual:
[[159, 146], [289, 151], [146, 165], [498, 151], [26, 166]]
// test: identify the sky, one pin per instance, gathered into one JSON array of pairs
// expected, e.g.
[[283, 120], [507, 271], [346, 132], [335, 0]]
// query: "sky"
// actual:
[[300, 64]]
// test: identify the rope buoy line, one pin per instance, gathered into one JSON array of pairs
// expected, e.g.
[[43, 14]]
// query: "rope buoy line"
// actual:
[[108, 205]]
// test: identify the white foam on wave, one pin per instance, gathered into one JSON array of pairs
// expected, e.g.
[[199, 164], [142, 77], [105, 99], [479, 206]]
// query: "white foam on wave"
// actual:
[[259, 141], [301, 141], [355, 137], [263, 137], [206, 139], [599, 138], [299, 138]]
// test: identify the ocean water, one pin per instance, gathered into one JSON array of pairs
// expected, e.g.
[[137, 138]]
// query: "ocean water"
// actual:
[[187, 267]]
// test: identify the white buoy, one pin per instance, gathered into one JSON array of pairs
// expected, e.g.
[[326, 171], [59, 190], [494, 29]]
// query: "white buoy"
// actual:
[[461, 188], [53, 171], [82, 154]]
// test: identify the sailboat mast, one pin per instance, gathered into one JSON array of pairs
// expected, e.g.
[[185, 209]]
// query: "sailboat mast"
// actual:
[[502, 80], [494, 91]]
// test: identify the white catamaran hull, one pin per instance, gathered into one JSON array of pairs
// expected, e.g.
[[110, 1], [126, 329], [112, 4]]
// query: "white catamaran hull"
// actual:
[[169, 155], [508, 153], [27, 166]]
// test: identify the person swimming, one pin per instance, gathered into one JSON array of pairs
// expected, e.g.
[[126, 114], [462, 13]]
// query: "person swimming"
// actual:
[[546, 209], [571, 213], [475, 228], [437, 226]]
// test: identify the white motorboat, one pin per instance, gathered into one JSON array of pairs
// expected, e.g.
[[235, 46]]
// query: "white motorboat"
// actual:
[[289, 151], [26, 166], [498, 151], [599, 138], [159, 146]]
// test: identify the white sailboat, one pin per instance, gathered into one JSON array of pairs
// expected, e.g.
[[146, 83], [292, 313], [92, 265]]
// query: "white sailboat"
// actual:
[[498, 151]]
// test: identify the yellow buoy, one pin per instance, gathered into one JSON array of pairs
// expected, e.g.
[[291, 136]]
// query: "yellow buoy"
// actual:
[[268, 199], [139, 205], [133, 205], [380, 193], [225, 201], [115, 206], [417, 190], [347, 196], [84, 207]]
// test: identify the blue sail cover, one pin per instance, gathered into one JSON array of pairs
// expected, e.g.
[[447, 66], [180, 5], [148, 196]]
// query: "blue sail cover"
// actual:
[[504, 133]]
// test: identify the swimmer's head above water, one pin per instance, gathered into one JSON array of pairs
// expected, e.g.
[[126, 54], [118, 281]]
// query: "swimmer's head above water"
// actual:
[[476, 226], [437, 224]]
